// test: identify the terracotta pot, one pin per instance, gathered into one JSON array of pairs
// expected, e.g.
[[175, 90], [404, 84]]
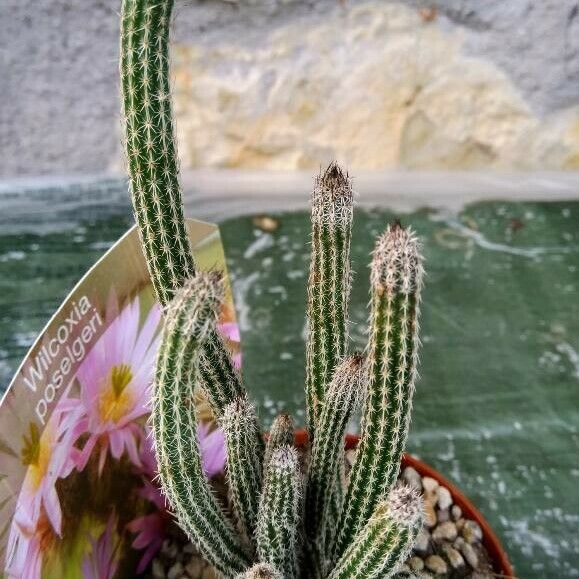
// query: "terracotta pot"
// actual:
[[500, 561]]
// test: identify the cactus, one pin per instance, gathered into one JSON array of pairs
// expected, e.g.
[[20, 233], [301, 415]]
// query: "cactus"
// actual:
[[325, 472], [385, 540], [278, 531], [150, 144], [261, 571], [396, 279], [281, 433], [245, 453], [189, 319], [152, 164], [283, 501], [329, 285]]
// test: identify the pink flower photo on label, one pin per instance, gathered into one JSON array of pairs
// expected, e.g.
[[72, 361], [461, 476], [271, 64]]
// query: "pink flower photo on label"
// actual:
[[151, 528], [115, 380], [101, 562], [38, 513]]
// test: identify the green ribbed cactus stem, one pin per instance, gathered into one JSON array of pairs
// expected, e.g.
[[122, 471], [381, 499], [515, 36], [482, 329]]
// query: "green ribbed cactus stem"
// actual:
[[325, 470], [396, 281], [152, 165], [328, 286], [280, 513], [190, 318], [150, 143], [261, 571], [385, 541], [220, 380], [245, 450], [281, 433]]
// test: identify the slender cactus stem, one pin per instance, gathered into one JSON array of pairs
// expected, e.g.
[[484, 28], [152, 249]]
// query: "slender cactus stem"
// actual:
[[219, 378], [327, 457], [152, 165], [190, 317], [329, 285], [396, 280], [386, 539], [150, 145], [281, 433], [280, 512], [245, 450]]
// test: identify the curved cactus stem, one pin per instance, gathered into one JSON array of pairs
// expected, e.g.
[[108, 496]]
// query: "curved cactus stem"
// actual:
[[281, 433], [396, 280], [219, 378], [385, 541], [327, 458], [261, 571], [152, 165], [150, 143], [245, 450], [328, 286], [280, 510], [190, 317]]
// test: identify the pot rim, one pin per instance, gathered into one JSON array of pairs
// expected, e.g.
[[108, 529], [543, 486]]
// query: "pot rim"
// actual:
[[501, 565]]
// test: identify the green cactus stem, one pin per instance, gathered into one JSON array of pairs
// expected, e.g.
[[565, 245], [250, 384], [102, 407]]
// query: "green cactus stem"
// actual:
[[261, 571], [396, 280], [325, 472], [386, 539], [280, 512], [281, 433], [152, 165], [219, 378], [328, 286], [150, 144], [245, 451], [190, 317]]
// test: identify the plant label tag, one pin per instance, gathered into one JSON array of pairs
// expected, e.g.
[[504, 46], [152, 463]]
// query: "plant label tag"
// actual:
[[77, 469]]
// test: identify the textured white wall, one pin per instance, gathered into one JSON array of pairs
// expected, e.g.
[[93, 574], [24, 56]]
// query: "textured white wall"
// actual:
[[59, 91]]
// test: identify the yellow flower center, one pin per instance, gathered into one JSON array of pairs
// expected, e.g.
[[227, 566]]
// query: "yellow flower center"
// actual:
[[36, 454], [115, 401]]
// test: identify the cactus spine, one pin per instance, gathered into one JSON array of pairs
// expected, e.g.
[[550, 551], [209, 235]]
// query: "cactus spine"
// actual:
[[329, 285], [190, 316], [280, 512], [245, 450], [385, 540], [396, 280]]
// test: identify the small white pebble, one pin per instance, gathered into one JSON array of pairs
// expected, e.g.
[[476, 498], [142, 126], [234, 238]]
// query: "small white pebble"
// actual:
[[471, 532], [175, 572], [436, 564], [442, 515], [469, 554], [455, 559], [422, 541], [157, 570], [412, 478], [445, 532], [415, 563], [444, 497], [429, 484]]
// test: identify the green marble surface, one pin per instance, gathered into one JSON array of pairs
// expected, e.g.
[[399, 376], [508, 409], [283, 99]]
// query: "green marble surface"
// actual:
[[497, 406]]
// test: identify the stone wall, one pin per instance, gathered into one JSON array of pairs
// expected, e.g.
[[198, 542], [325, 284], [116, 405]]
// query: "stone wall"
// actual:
[[287, 84]]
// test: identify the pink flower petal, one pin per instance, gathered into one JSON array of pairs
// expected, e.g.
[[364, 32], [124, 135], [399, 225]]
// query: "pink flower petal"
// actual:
[[52, 508]]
